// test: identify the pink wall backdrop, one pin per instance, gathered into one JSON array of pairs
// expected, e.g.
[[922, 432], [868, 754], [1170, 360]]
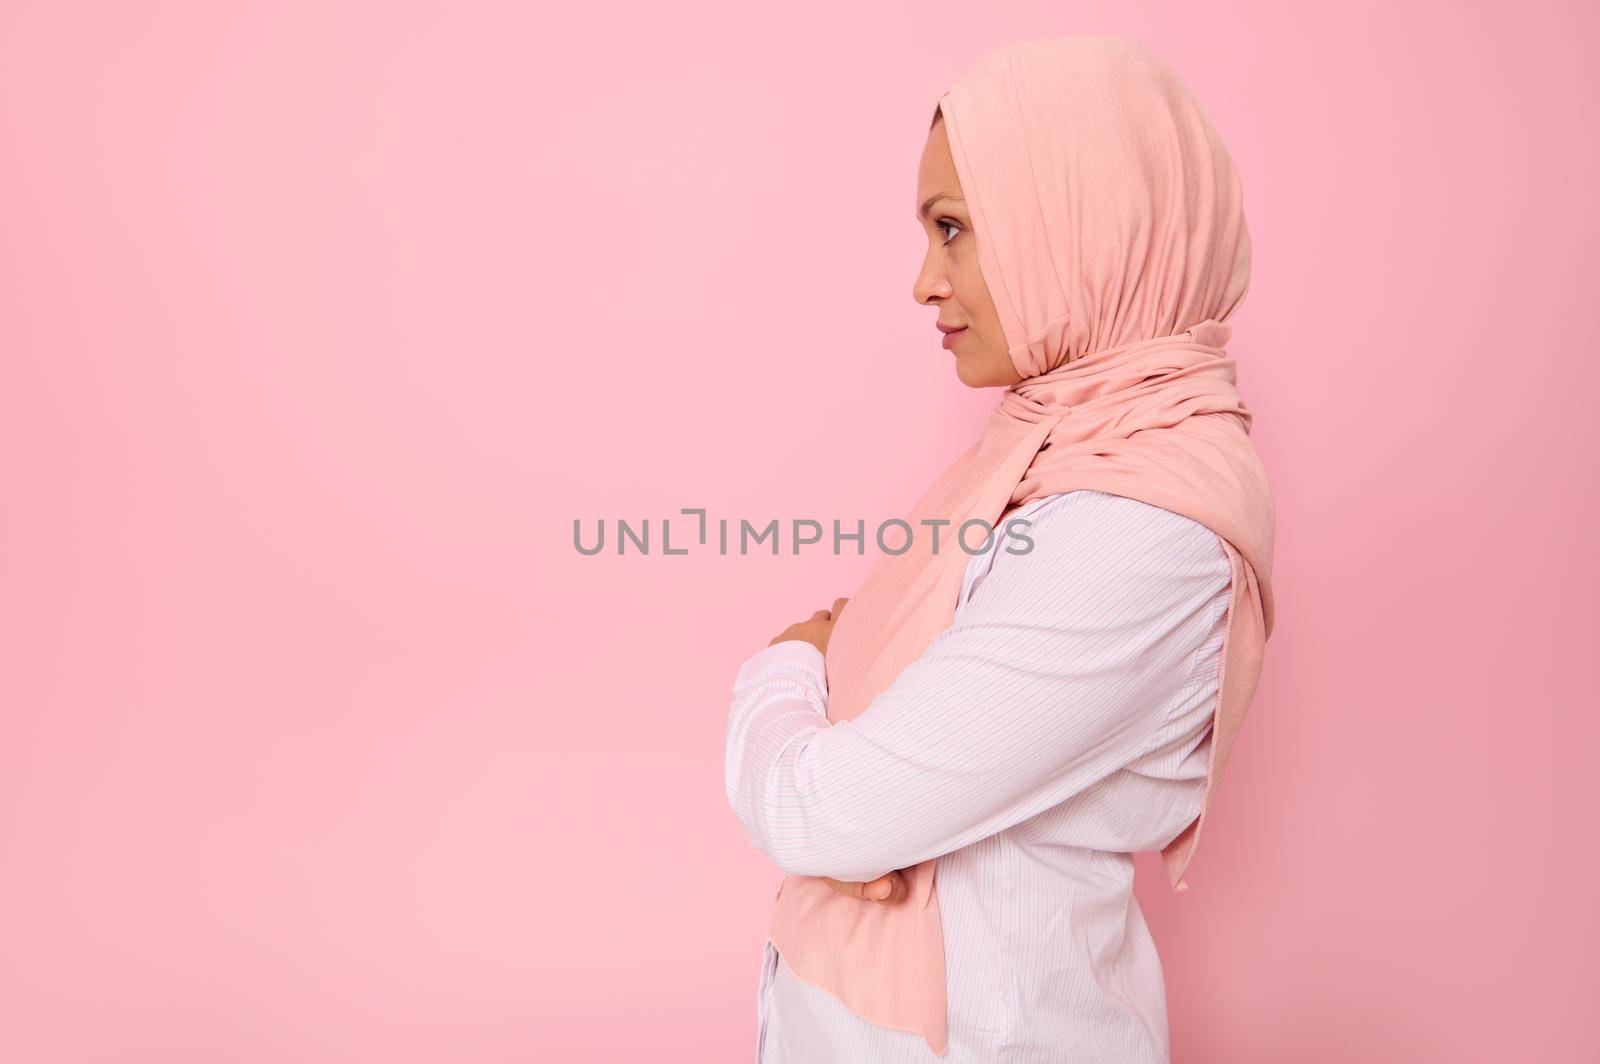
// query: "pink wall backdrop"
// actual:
[[321, 323]]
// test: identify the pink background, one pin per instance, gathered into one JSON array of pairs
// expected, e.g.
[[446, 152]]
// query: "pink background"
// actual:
[[322, 323]]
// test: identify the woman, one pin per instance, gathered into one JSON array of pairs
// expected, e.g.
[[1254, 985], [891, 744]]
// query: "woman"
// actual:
[[1013, 725]]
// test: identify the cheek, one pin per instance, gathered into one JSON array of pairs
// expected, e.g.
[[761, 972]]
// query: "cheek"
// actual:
[[978, 309], [971, 291]]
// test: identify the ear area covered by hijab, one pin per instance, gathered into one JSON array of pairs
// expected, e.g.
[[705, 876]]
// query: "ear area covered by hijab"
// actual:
[[1105, 206]]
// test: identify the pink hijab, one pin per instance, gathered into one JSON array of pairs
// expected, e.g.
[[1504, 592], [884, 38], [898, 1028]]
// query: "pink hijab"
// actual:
[[1110, 231]]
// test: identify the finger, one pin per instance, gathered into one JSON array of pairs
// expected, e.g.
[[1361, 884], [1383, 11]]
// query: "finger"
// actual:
[[820, 615], [838, 607], [879, 889]]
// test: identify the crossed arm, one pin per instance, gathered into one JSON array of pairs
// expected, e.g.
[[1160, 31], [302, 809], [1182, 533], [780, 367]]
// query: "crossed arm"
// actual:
[[1058, 671]]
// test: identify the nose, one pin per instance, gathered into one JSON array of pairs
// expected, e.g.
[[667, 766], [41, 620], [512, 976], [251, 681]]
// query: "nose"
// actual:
[[931, 282]]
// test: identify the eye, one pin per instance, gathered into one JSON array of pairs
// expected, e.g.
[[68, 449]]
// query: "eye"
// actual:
[[948, 223]]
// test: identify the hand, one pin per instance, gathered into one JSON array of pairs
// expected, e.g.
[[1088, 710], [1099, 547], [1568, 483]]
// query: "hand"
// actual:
[[887, 889], [816, 630]]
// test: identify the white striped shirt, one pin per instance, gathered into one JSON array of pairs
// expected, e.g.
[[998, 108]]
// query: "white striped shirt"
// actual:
[[1059, 725]]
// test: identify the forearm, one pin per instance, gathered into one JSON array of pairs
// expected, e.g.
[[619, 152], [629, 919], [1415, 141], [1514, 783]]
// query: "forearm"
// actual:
[[837, 801], [1052, 679], [779, 708]]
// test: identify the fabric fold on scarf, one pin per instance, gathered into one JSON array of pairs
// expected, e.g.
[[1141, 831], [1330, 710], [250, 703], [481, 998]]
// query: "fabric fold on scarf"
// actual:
[[1110, 231]]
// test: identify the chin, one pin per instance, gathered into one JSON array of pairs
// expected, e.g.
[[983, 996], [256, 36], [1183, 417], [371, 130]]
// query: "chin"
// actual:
[[973, 376]]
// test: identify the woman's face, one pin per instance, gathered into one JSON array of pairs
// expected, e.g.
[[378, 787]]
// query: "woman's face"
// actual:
[[950, 279]]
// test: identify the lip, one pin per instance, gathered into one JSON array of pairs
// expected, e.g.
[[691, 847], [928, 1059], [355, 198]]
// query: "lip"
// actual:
[[951, 335]]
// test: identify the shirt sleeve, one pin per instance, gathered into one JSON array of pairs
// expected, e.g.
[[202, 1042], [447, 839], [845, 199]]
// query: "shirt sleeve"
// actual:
[[1062, 667]]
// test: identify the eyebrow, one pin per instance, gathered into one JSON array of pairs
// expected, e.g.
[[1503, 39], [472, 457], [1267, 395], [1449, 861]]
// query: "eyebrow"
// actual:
[[922, 211]]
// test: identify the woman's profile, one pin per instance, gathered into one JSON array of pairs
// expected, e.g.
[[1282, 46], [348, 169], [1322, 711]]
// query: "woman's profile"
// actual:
[[955, 765]]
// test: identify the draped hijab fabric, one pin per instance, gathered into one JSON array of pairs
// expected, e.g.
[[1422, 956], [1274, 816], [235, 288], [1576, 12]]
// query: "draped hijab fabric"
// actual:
[[1110, 231]]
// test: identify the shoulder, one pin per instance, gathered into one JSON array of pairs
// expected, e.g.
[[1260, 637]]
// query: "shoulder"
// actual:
[[1084, 554], [1088, 524], [1113, 585]]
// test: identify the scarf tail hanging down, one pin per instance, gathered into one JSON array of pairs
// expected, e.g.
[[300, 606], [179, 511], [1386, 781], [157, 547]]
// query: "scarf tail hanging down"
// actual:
[[810, 921]]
